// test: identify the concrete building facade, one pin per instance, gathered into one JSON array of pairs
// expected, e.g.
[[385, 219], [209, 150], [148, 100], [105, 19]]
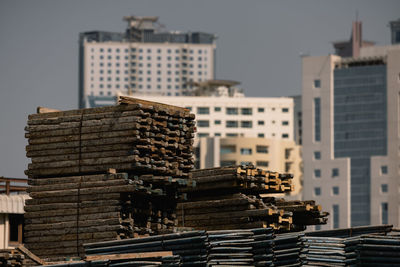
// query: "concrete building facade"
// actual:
[[148, 62], [351, 136]]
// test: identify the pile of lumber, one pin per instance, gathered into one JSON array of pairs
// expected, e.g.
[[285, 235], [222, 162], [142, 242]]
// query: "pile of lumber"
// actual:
[[104, 174], [12, 258], [191, 246], [236, 197], [140, 136]]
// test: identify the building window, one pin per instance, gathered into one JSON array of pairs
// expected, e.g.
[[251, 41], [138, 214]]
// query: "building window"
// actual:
[[246, 124], [262, 149], [203, 123], [384, 169], [217, 122], [245, 151], [335, 172], [217, 109], [335, 211], [317, 119], [203, 110], [203, 135], [262, 163], [217, 134], [317, 173], [384, 188], [224, 163], [384, 213], [231, 135], [317, 83], [260, 122], [232, 124], [261, 135], [317, 191], [246, 111], [285, 110], [246, 163], [232, 111], [285, 135], [317, 155], [288, 151], [335, 190], [260, 110], [288, 166], [15, 228], [285, 123], [228, 149]]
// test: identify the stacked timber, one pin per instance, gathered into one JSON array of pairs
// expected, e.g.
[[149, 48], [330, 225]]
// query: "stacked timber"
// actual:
[[234, 197], [379, 250], [11, 258], [135, 136], [230, 248], [263, 246], [287, 250], [191, 246]]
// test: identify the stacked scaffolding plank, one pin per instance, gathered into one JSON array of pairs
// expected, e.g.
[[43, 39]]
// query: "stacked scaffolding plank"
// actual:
[[379, 250], [128, 137], [105, 173], [230, 198]]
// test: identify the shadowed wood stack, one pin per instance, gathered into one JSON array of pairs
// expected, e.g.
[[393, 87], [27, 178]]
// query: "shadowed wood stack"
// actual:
[[105, 173], [234, 197], [140, 136]]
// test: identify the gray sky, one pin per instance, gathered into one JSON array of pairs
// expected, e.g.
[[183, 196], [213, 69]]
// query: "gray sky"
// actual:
[[259, 43]]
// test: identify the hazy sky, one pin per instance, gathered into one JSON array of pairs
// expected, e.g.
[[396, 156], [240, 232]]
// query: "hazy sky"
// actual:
[[259, 43]]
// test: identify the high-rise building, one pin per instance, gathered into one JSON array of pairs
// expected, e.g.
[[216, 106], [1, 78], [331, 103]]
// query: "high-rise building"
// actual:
[[351, 135], [144, 60], [395, 31]]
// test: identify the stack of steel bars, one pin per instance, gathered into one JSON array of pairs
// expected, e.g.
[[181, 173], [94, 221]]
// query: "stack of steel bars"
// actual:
[[191, 246], [287, 250], [379, 250], [262, 245], [230, 248], [330, 251]]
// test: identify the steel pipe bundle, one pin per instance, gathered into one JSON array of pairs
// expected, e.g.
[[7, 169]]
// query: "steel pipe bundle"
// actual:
[[140, 136], [191, 246], [230, 248]]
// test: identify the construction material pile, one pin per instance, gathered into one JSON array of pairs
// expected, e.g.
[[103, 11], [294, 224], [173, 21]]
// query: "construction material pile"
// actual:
[[140, 136], [350, 247], [263, 246], [234, 198], [105, 173], [379, 250], [11, 258], [191, 246], [230, 248], [287, 250]]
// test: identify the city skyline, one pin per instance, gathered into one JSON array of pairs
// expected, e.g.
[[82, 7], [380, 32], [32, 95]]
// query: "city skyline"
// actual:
[[258, 44]]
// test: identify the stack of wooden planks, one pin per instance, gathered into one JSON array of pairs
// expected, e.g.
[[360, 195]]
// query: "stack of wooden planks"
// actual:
[[235, 198], [105, 173], [133, 136]]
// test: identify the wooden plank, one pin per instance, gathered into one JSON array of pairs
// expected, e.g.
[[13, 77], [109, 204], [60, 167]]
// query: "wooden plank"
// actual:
[[78, 179], [70, 224], [81, 211], [30, 255], [128, 256], [45, 110]]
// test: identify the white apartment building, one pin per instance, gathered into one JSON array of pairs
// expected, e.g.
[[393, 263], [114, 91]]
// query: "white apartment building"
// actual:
[[351, 136], [148, 63], [224, 116]]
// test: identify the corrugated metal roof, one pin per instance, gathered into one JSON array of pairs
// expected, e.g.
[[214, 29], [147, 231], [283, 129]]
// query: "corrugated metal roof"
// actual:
[[13, 203]]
